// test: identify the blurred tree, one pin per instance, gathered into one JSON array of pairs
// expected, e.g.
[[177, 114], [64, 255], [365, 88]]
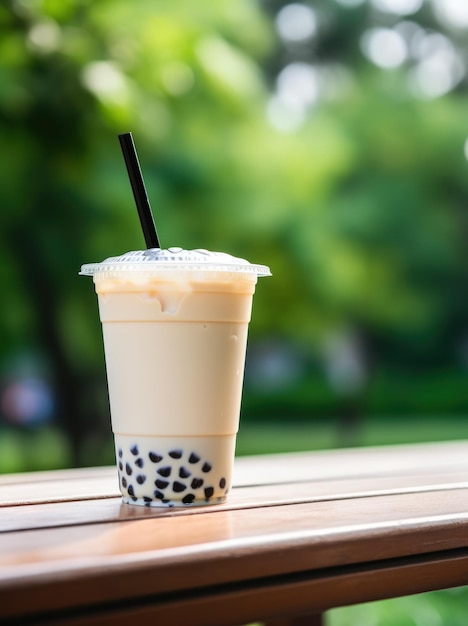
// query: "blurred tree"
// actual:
[[384, 246], [74, 74]]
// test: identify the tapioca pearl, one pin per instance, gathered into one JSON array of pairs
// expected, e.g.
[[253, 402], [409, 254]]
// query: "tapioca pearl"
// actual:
[[165, 471], [193, 458], [120, 453], [134, 450], [159, 495], [197, 483], [161, 484], [209, 491], [155, 458], [176, 454], [140, 479], [124, 482], [222, 483], [130, 490], [206, 467], [178, 487], [128, 469], [184, 473], [188, 499], [120, 466], [139, 462], [147, 500]]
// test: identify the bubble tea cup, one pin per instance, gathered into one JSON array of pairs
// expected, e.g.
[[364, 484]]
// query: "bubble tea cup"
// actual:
[[175, 332]]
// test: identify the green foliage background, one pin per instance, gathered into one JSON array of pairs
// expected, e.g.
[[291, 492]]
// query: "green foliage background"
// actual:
[[360, 212]]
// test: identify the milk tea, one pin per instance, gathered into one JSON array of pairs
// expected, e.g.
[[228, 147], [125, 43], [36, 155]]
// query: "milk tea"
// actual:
[[175, 331]]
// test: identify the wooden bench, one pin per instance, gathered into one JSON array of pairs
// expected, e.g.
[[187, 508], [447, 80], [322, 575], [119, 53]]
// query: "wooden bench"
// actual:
[[300, 534]]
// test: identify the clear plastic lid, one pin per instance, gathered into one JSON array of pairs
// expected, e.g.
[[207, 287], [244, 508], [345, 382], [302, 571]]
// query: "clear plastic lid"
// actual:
[[155, 260]]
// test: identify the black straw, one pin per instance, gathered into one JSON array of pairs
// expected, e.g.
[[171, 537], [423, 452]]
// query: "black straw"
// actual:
[[139, 190]]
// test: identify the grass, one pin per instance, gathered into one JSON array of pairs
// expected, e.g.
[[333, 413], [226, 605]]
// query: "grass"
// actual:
[[41, 449], [290, 436], [439, 608]]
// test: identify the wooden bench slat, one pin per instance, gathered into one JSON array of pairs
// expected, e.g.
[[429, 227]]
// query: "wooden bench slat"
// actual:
[[296, 597], [68, 512], [381, 461], [294, 523], [55, 476], [79, 565], [82, 488], [353, 462], [272, 539]]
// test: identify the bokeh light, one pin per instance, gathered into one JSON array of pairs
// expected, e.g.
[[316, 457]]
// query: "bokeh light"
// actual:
[[399, 7], [27, 401], [385, 47], [296, 22], [454, 13]]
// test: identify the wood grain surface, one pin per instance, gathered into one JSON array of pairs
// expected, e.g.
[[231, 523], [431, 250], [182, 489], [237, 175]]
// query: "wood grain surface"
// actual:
[[300, 533]]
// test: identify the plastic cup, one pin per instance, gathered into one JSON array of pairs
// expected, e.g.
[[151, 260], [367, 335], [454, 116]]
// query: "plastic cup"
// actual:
[[175, 333]]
